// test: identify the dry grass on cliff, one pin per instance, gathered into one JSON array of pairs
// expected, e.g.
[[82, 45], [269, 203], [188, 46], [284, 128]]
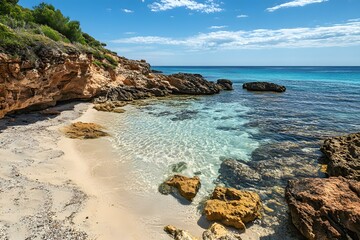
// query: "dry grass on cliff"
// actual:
[[80, 130]]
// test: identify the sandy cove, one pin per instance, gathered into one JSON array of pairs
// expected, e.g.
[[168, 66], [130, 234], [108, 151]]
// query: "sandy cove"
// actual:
[[46, 187], [54, 187]]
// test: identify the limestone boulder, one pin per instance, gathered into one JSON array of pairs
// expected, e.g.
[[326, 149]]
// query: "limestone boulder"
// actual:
[[187, 187], [233, 207]]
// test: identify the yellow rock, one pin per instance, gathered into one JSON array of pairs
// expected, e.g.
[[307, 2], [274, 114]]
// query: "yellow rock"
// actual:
[[233, 207], [323, 168], [188, 187], [84, 130]]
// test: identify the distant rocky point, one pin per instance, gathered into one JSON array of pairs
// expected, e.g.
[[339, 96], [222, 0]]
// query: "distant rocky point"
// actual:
[[264, 86]]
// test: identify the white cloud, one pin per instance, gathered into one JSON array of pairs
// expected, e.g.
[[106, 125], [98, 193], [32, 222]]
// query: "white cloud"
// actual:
[[338, 35], [208, 6], [295, 3], [129, 33], [242, 16], [354, 20], [217, 27], [127, 10]]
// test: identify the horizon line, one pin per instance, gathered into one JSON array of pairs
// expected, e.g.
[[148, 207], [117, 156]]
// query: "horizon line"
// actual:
[[255, 66]]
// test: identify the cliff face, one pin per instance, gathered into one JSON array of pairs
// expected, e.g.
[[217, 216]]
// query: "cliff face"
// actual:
[[56, 75]]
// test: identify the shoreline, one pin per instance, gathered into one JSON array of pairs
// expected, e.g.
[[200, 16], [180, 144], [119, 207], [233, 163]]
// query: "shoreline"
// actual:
[[88, 190], [83, 190], [47, 188], [108, 181], [103, 219]]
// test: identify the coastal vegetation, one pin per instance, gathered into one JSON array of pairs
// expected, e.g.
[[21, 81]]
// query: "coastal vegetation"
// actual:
[[23, 31]]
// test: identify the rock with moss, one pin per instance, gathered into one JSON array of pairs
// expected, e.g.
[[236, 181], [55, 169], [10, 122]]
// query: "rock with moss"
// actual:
[[81, 130]]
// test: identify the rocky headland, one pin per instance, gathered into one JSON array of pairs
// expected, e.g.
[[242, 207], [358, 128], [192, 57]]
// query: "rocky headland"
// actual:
[[61, 74]]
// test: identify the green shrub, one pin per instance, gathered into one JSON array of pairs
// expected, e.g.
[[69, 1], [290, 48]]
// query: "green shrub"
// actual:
[[8, 38], [51, 33], [22, 30], [111, 60]]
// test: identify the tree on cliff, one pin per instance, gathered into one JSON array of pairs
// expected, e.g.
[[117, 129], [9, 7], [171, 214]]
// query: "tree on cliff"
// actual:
[[46, 14]]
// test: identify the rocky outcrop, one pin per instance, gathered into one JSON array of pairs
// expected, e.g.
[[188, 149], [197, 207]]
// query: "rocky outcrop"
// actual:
[[193, 84], [82, 130], [225, 84], [58, 74], [325, 208], [343, 156], [178, 234], [264, 86], [233, 207], [187, 187], [219, 232]]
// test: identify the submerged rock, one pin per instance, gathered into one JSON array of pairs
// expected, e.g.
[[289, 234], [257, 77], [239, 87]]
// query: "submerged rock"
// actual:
[[165, 189], [84, 131], [179, 167], [264, 86], [225, 84], [233, 172], [219, 232], [178, 234], [343, 156], [233, 207], [188, 187], [325, 208]]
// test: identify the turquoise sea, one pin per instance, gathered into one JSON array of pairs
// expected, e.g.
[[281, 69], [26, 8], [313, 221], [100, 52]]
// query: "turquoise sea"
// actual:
[[277, 134]]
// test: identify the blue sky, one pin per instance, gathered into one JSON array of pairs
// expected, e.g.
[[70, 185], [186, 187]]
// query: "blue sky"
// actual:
[[223, 32]]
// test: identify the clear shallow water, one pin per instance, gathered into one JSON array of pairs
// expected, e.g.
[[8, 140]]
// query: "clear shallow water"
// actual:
[[285, 130]]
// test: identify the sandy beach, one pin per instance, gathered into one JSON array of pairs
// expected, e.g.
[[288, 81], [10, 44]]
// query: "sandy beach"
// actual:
[[47, 190], [61, 188]]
